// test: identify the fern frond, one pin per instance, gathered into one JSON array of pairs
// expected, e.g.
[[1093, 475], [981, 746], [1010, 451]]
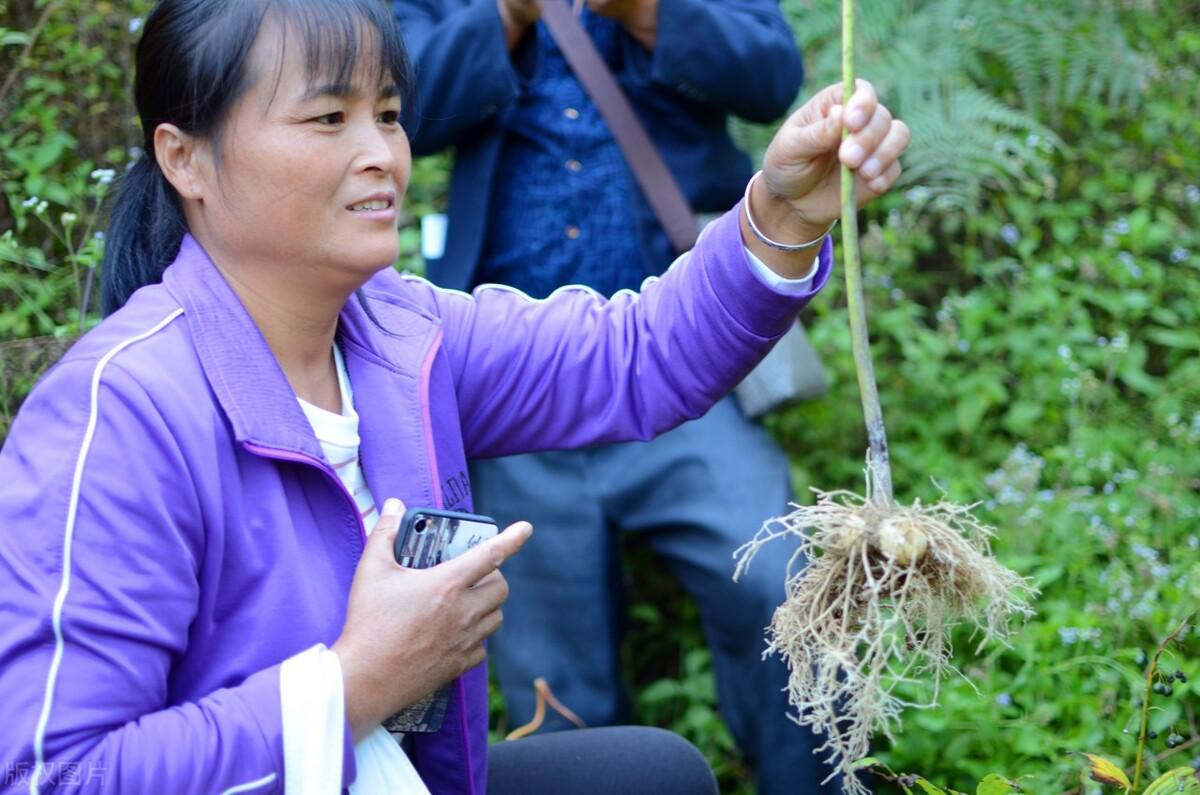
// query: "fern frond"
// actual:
[[930, 59], [965, 143]]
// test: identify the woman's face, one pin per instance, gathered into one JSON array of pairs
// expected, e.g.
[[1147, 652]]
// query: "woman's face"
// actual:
[[309, 174]]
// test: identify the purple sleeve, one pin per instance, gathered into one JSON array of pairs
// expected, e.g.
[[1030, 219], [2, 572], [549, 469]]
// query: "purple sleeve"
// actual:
[[575, 369], [100, 539]]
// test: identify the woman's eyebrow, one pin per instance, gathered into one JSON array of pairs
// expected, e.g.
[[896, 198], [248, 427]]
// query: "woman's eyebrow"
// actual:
[[339, 90], [346, 91]]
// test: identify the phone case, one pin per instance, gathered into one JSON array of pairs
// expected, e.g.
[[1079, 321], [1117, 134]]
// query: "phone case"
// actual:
[[428, 537]]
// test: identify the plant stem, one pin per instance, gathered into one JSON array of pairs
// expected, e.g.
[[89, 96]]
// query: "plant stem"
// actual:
[[1150, 671], [878, 465]]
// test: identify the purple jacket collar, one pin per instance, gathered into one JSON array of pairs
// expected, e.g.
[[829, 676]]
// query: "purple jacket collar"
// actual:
[[245, 376]]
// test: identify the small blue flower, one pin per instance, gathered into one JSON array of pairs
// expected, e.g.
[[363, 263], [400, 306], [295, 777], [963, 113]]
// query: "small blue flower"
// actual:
[[1179, 254], [1121, 226], [1009, 234], [1003, 700], [135, 24], [1145, 553], [1127, 260], [1193, 193]]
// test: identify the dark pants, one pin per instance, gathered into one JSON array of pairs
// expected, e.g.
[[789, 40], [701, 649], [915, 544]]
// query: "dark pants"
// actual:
[[693, 495], [619, 760]]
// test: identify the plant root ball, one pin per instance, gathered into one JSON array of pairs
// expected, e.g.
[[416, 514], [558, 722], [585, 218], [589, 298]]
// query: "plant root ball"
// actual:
[[901, 539], [880, 587]]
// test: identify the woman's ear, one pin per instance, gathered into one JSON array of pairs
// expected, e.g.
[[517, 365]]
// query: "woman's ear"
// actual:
[[180, 156]]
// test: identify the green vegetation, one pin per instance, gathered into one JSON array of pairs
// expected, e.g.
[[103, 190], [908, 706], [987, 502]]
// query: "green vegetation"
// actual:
[[1034, 300]]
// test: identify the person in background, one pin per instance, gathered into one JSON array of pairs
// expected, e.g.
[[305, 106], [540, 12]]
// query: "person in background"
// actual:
[[541, 197]]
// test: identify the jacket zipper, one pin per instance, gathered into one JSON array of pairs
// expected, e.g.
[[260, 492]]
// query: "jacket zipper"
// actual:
[[301, 458], [427, 418]]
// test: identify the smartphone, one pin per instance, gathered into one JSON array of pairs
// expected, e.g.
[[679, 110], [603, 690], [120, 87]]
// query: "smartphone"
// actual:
[[429, 536]]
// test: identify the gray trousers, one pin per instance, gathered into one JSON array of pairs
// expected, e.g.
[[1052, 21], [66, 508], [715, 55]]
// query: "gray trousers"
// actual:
[[693, 495]]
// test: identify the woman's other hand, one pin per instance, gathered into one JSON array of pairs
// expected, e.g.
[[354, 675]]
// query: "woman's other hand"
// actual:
[[799, 193], [516, 16], [409, 631], [639, 17]]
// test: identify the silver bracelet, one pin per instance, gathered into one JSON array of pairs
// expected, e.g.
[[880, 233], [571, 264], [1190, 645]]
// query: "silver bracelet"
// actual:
[[766, 241]]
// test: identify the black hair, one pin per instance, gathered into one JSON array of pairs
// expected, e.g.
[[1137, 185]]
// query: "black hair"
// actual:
[[192, 66]]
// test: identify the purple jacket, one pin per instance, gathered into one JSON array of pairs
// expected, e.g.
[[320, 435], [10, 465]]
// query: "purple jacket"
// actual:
[[169, 532]]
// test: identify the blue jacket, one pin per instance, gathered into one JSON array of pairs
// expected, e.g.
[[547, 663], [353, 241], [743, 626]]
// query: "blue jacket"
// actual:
[[713, 59]]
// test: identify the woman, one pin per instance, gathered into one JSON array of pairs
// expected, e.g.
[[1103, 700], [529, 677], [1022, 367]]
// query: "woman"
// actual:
[[191, 599]]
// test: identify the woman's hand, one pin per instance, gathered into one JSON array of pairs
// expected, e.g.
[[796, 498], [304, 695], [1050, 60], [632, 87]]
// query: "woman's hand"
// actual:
[[799, 193], [639, 17], [516, 16], [409, 631]]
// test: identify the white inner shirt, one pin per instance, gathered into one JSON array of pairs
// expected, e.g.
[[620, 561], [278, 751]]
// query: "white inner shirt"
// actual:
[[311, 692]]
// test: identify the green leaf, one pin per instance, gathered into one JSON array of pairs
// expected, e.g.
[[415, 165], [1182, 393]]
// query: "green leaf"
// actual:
[[13, 38], [994, 784], [1135, 378], [969, 410], [1144, 186], [661, 690], [929, 789], [1180, 781], [866, 761], [49, 152], [1186, 339], [1106, 772], [1047, 575], [1066, 230], [1023, 415]]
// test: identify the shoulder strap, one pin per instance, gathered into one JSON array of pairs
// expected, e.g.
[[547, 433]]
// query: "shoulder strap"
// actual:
[[656, 181]]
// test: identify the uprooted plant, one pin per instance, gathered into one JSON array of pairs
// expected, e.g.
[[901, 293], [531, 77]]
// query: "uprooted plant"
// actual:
[[881, 583]]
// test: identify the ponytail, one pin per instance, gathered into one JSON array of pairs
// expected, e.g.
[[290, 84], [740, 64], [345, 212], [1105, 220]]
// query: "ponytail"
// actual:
[[146, 228]]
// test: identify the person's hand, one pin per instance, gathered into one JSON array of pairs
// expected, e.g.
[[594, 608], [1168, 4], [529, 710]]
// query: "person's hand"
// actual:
[[799, 193], [639, 17], [409, 631], [517, 16]]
